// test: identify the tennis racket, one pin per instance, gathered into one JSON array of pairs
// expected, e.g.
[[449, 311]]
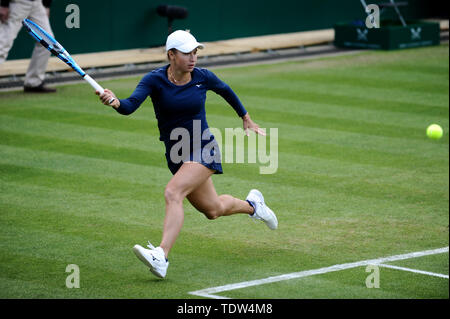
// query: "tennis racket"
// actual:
[[42, 37]]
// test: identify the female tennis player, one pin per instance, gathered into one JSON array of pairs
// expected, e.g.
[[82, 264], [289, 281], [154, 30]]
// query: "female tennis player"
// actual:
[[178, 92]]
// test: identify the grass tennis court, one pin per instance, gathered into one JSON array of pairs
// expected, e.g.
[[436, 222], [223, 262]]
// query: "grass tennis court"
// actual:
[[357, 179]]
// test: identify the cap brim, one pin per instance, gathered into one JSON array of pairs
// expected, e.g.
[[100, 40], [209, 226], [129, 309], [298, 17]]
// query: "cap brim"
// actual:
[[189, 47]]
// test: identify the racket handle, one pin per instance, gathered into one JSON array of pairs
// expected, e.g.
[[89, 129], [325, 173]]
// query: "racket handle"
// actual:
[[96, 86], [93, 83]]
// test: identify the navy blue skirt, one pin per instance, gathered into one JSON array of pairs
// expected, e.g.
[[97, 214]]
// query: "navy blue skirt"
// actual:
[[206, 153]]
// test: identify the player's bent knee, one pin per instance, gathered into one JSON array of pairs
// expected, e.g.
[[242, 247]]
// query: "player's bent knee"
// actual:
[[172, 195], [212, 214]]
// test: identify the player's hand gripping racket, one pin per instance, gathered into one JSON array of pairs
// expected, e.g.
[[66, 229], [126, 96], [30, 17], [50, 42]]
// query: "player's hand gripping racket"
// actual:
[[57, 49]]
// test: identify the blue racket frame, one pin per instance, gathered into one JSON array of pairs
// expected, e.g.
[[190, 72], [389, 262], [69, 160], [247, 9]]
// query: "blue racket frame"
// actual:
[[46, 40], [54, 47]]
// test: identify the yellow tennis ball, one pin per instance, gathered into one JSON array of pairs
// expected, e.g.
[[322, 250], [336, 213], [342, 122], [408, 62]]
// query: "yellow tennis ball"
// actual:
[[434, 131]]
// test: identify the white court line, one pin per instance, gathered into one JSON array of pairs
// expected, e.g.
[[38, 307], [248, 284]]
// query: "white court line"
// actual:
[[210, 292], [414, 270]]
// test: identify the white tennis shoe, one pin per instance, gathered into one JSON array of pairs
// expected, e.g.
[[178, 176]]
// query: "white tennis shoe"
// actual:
[[154, 258], [262, 212]]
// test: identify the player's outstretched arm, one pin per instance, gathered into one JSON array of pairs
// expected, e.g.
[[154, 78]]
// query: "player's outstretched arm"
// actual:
[[249, 124]]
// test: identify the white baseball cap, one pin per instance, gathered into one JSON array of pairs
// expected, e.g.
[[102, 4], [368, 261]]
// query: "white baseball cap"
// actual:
[[182, 41]]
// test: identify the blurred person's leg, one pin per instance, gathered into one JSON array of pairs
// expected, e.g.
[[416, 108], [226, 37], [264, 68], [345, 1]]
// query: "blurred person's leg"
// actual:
[[39, 59], [18, 10]]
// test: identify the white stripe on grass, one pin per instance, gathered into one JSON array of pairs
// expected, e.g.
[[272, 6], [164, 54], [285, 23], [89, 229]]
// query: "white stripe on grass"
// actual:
[[211, 292], [414, 270]]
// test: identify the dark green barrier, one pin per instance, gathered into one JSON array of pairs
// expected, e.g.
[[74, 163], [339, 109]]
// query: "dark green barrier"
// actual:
[[117, 25], [388, 37]]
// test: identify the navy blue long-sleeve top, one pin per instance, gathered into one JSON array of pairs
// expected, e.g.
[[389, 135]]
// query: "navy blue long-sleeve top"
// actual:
[[177, 106]]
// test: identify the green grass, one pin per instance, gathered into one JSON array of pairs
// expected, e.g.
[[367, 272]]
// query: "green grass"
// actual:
[[357, 179]]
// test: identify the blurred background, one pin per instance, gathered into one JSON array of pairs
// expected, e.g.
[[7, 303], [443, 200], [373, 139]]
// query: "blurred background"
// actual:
[[107, 25]]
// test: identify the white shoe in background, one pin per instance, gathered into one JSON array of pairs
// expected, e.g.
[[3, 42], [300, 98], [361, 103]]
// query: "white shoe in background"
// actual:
[[262, 211]]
